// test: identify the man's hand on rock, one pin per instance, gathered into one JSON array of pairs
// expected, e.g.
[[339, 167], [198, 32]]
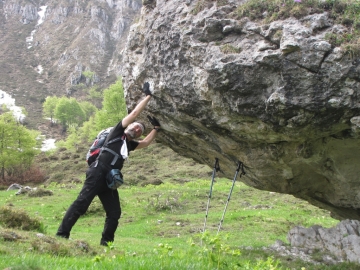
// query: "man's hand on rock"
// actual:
[[146, 89], [154, 122]]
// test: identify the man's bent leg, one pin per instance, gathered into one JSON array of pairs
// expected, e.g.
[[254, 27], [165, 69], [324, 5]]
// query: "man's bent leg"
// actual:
[[81, 204], [78, 208], [111, 203]]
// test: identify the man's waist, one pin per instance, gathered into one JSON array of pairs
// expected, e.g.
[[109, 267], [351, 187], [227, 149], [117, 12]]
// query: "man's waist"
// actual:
[[107, 159]]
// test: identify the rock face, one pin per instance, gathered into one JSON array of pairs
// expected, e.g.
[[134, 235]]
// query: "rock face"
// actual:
[[342, 241], [277, 97], [46, 46]]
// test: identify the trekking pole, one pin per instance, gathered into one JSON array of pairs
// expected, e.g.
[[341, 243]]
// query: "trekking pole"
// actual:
[[240, 165], [216, 168]]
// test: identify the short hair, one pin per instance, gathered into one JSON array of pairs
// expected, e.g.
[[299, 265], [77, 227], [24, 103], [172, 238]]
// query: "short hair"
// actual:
[[142, 126]]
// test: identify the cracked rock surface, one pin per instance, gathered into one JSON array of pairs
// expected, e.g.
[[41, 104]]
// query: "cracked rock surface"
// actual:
[[342, 241], [277, 97]]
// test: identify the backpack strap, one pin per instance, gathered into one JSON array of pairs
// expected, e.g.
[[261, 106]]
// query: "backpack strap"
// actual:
[[114, 140], [116, 156], [104, 148]]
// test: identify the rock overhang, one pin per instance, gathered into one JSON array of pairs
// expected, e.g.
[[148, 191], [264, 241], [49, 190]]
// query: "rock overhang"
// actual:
[[277, 97]]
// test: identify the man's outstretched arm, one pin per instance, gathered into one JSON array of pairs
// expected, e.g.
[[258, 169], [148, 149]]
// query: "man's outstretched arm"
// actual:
[[139, 108]]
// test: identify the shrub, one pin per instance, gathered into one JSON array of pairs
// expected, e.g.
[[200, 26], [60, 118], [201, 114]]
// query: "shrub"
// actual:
[[353, 50], [201, 5], [346, 13], [40, 192], [19, 220], [159, 204], [31, 175]]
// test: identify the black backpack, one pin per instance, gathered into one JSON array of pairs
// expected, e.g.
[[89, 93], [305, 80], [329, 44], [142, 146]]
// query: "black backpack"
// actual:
[[98, 144]]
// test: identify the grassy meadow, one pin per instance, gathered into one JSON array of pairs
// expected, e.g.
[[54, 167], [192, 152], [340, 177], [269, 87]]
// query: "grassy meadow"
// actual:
[[164, 206]]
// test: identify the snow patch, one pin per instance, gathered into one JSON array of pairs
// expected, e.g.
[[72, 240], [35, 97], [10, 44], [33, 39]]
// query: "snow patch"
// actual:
[[48, 144], [41, 13], [9, 102]]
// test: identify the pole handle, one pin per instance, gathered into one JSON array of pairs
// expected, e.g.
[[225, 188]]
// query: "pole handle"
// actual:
[[216, 165], [239, 164]]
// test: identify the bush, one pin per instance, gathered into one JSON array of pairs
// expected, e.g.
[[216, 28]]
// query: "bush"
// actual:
[[32, 175], [20, 220], [40, 192]]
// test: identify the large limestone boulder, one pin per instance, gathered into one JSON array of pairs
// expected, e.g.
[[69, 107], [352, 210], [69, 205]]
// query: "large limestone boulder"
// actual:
[[342, 241], [277, 97]]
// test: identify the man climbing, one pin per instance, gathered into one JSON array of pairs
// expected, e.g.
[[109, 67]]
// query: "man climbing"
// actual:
[[111, 159]]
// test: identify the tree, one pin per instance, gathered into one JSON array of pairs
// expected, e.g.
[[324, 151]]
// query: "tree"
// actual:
[[88, 109], [112, 111], [49, 107], [95, 93], [113, 106], [69, 112], [88, 74], [17, 145]]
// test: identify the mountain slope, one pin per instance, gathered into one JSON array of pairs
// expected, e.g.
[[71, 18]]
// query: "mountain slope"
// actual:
[[47, 45]]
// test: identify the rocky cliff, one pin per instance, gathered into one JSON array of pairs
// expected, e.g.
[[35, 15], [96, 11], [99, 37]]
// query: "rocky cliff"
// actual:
[[277, 97], [47, 45]]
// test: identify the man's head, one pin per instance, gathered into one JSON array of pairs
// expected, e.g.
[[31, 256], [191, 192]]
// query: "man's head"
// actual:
[[135, 130]]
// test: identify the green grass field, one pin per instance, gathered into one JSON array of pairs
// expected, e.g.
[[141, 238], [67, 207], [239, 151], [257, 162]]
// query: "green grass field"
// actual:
[[161, 225]]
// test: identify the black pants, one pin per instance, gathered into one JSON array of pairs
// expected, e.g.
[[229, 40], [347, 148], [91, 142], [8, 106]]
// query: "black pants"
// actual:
[[95, 184]]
